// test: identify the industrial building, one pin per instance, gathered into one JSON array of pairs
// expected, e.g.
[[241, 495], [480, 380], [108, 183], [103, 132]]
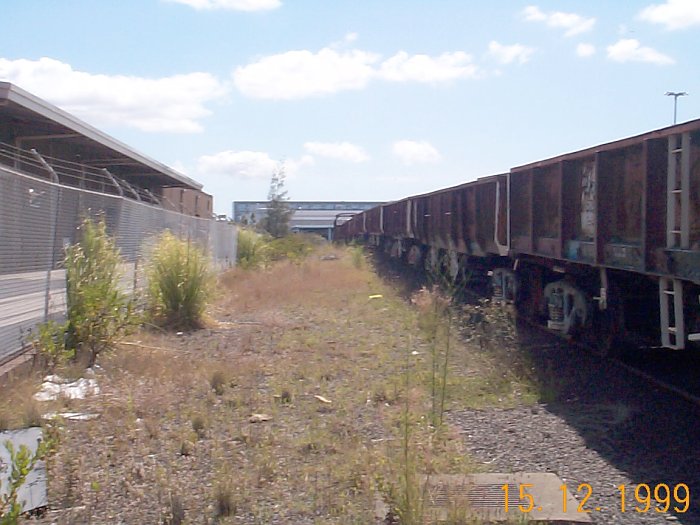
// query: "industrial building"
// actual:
[[309, 216]]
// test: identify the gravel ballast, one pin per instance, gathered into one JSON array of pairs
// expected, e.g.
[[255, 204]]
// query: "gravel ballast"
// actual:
[[604, 426]]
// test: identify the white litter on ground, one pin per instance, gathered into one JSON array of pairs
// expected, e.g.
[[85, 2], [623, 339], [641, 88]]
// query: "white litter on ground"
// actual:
[[71, 416], [55, 387]]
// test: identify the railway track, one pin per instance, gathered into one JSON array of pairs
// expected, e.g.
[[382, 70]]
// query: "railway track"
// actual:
[[674, 372], [661, 381]]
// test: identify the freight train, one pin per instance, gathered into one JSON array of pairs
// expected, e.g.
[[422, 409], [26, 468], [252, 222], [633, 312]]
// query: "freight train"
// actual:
[[600, 245]]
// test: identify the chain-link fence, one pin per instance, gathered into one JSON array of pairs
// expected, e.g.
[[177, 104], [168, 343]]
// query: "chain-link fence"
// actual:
[[41, 209]]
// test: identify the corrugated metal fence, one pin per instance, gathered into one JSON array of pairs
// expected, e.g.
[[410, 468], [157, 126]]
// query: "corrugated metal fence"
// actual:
[[38, 218]]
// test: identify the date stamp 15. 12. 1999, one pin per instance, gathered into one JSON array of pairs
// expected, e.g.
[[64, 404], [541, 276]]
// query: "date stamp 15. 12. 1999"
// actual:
[[641, 498]]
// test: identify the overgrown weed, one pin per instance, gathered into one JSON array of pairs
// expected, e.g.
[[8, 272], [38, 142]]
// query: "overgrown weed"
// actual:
[[257, 250], [435, 320], [251, 250], [357, 256], [180, 282]]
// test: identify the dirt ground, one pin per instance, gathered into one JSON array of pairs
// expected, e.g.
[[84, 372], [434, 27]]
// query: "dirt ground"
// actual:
[[315, 389]]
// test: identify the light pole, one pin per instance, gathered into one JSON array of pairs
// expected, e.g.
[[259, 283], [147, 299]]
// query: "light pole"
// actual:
[[675, 96]]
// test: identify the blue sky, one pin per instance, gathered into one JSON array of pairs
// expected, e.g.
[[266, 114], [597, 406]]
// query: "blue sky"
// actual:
[[357, 99]]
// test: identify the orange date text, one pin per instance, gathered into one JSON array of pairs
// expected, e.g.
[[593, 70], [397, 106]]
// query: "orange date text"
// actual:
[[641, 498]]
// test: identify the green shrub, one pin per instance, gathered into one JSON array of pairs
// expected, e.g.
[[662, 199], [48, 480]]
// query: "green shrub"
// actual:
[[257, 250], [22, 462], [98, 312], [50, 342], [252, 251], [294, 247], [180, 282]]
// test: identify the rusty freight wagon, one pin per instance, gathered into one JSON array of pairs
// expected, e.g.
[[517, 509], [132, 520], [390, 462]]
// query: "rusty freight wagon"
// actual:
[[458, 229], [607, 239], [373, 221], [353, 228], [601, 245], [468, 219]]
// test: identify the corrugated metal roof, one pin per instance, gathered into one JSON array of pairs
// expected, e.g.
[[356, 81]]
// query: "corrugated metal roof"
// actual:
[[18, 103]]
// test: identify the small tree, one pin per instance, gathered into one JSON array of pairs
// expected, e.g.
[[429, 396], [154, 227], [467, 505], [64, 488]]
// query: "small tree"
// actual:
[[276, 223], [98, 311]]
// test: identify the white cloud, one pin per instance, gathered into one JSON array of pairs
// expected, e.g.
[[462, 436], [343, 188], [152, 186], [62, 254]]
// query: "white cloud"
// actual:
[[292, 166], [403, 67], [236, 5], [572, 22], [238, 164], [303, 73], [169, 104], [507, 54], [337, 150], [299, 74], [415, 152], [585, 50], [248, 164], [630, 50], [674, 14]]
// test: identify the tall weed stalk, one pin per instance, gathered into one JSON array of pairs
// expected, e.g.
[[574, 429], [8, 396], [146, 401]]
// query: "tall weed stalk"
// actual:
[[435, 321], [409, 504]]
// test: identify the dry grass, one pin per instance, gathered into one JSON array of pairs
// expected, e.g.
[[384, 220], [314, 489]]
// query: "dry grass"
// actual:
[[17, 407], [287, 285], [292, 409]]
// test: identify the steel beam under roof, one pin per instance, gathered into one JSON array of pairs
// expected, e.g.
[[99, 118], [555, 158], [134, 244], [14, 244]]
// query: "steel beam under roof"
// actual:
[[49, 122]]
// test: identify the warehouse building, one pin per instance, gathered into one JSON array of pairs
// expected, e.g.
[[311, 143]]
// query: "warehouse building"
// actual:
[[316, 217]]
